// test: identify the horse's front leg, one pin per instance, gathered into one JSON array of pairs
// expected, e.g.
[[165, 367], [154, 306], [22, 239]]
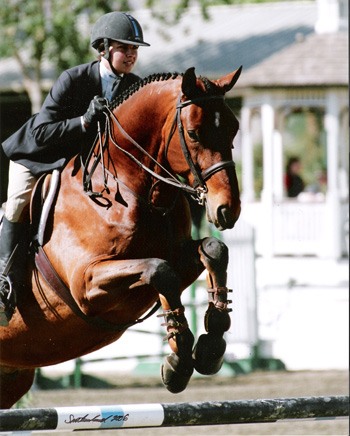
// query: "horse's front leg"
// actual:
[[178, 366], [208, 354]]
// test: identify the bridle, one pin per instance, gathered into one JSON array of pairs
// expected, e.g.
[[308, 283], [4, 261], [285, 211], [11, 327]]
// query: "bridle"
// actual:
[[198, 191], [200, 177]]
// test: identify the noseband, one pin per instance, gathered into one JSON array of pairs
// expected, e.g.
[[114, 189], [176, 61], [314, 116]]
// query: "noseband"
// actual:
[[200, 187]]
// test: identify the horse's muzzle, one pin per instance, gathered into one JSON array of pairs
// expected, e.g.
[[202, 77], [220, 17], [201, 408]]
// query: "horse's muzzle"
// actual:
[[224, 218]]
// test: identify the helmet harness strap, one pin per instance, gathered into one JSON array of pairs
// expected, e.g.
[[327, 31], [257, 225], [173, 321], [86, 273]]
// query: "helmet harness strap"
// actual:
[[106, 46], [107, 55]]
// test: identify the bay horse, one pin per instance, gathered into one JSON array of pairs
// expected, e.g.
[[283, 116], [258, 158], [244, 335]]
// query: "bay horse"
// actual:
[[119, 235]]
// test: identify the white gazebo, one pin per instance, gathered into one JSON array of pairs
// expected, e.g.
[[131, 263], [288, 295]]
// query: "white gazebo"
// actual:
[[311, 73]]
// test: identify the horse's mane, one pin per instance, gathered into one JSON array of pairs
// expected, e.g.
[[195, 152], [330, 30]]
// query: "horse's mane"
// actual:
[[210, 87], [140, 84]]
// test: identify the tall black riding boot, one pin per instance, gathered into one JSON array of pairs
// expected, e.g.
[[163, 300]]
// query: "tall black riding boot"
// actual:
[[13, 266]]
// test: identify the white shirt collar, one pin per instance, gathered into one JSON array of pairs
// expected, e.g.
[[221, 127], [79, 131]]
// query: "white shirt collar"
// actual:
[[107, 74]]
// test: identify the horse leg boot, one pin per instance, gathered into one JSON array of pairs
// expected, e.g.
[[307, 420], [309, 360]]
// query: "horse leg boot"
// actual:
[[13, 259], [208, 354], [178, 366]]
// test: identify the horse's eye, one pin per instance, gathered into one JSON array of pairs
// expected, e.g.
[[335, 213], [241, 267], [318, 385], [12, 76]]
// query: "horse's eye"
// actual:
[[193, 135]]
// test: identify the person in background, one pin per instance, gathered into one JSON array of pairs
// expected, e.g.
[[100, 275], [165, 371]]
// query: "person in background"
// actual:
[[293, 181], [66, 123]]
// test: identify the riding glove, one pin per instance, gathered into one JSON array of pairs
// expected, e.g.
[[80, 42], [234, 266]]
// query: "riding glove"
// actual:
[[95, 110]]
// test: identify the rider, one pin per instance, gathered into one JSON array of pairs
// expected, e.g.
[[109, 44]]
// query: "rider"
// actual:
[[67, 119]]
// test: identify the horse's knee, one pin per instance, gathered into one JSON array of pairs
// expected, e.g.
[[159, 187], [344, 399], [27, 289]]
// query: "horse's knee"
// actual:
[[162, 275], [163, 278], [214, 248], [215, 253]]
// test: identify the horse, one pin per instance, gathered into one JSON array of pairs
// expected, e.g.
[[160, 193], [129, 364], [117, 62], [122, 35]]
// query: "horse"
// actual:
[[118, 235]]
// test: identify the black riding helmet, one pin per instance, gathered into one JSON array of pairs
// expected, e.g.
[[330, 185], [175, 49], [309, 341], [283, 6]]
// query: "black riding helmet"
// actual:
[[117, 26]]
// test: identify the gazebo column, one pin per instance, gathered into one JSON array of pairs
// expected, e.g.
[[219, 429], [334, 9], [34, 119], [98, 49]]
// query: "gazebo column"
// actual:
[[267, 122], [247, 157], [333, 209], [278, 159], [344, 151]]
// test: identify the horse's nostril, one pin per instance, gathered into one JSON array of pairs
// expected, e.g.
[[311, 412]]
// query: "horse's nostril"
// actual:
[[226, 218]]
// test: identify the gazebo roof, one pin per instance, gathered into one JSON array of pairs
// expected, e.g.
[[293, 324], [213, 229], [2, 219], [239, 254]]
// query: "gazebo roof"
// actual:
[[234, 35], [316, 60]]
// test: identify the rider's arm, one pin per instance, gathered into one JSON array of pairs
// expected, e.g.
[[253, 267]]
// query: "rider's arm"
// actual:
[[59, 120]]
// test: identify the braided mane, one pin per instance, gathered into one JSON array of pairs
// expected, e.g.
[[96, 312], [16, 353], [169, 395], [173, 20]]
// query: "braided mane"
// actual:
[[210, 87], [140, 84]]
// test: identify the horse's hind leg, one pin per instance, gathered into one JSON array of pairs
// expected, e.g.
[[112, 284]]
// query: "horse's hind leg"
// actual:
[[208, 354], [14, 383]]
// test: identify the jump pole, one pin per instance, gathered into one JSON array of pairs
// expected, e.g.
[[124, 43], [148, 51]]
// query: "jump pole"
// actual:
[[173, 414]]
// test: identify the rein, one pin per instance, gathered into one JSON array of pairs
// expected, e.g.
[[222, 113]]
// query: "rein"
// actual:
[[198, 191]]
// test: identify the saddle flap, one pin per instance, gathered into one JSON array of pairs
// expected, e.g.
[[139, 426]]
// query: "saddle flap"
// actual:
[[43, 197]]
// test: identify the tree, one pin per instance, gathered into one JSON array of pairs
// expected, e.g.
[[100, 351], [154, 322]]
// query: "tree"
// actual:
[[41, 32], [37, 31]]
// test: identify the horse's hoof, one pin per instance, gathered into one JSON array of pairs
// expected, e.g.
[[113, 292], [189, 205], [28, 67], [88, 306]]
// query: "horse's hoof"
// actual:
[[208, 354], [174, 379]]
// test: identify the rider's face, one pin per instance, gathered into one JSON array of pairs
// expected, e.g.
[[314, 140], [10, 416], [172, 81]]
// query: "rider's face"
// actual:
[[123, 57]]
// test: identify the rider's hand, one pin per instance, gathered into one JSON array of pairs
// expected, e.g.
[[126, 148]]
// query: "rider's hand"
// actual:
[[95, 111]]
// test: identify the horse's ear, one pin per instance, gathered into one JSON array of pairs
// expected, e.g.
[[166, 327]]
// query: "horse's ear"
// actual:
[[189, 83], [228, 82]]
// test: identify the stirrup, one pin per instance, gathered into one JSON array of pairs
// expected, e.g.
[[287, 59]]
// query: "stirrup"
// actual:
[[6, 307]]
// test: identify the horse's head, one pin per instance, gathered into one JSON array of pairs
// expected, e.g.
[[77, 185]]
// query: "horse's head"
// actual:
[[207, 128], [196, 142]]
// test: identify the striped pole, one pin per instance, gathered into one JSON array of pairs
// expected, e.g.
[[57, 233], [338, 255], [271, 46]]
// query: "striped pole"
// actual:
[[173, 414]]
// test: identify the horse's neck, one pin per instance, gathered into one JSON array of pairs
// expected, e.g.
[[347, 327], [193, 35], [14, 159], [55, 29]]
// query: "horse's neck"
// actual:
[[142, 117], [140, 126], [151, 104]]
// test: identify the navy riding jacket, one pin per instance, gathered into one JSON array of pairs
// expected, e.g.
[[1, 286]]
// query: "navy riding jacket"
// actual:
[[50, 138]]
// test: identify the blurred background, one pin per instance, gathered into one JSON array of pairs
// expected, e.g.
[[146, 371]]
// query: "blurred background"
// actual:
[[289, 251]]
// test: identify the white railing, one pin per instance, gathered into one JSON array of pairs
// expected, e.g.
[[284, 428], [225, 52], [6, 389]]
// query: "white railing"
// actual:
[[243, 334], [297, 228]]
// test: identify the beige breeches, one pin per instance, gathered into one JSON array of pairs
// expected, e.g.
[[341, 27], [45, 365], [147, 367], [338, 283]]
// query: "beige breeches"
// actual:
[[19, 191]]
